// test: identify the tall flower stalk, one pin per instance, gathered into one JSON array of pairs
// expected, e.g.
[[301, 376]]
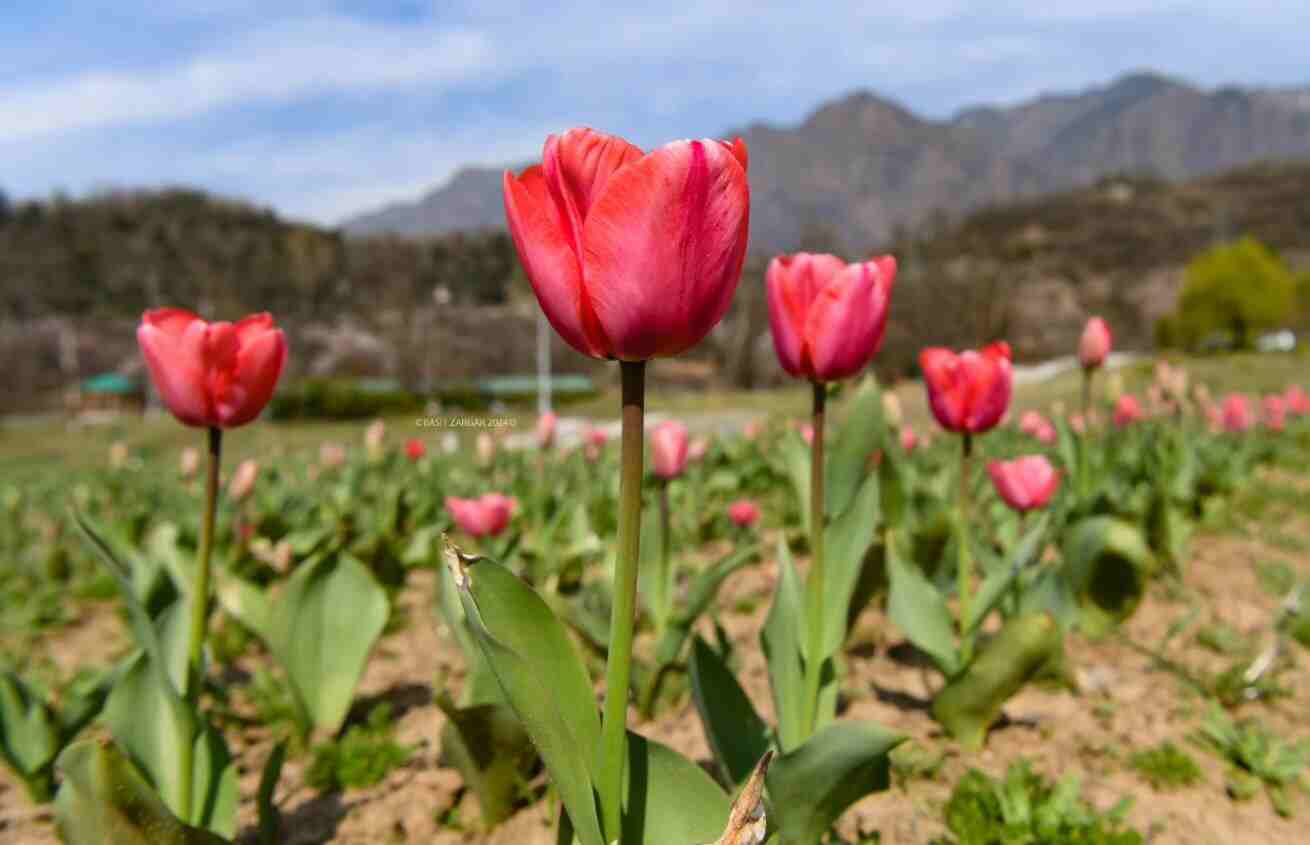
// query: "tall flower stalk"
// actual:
[[814, 610], [618, 667]]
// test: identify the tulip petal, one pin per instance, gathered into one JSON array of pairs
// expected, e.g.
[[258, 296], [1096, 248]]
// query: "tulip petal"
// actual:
[[550, 262], [663, 246], [941, 374], [846, 321], [576, 165], [259, 363], [176, 366], [171, 321]]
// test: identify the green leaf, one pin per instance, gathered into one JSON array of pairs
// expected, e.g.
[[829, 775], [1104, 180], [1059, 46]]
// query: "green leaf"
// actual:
[[321, 628], [847, 465], [781, 639], [795, 455], [104, 799], [531, 655], [148, 718], [701, 591], [655, 583], [1108, 562], [920, 611], [995, 585], [969, 704], [492, 752], [846, 541], [813, 785], [270, 818], [668, 799], [736, 733], [29, 738]]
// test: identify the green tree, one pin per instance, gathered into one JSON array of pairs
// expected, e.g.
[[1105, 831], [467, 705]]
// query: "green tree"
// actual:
[[1237, 289]]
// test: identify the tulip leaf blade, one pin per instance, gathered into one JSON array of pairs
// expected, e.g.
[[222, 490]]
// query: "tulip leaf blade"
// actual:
[[701, 591], [811, 786], [668, 798], [781, 639], [861, 434], [846, 542], [735, 732], [1108, 561], [994, 587], [29, 735], [529, 652], [920, 611], [104, 799]]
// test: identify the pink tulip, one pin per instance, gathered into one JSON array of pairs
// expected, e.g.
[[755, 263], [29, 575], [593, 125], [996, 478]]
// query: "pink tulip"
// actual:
[[753, 430], [807, 433], [632, 255], [1238, 414], [485, 516], [331, 455], [698, 448], [827, 317], [1127, 411], [968, 392], [597, 437], [1037, 426], [546, 429], [189, 463], [1275, 409], [215, 375], [1298, 401], [908, 438], [415, 449], [1025, 483], [744, 513], [1078, 423], [668, 449], [243, 480], [1094, 346]]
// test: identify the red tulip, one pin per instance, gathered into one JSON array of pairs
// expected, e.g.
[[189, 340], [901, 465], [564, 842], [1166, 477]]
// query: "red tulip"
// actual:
[[1127, 411], [1025, 483], [668, 449], [1238, 415], [215, 375], [485, 516], [744, 513], [632, 255], [1275, 412], [415, 449], [1094, 347], [546, 429], [968, 392], [827, 317]]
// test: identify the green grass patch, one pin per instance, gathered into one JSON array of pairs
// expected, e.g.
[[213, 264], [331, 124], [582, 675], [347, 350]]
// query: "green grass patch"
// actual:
[[1166, 767], [363, 757]]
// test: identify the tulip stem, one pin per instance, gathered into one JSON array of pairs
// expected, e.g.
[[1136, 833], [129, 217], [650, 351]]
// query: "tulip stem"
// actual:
[[1084, 471], [814, 613], [199, 611], [664, 599], [965, 571], [619, 665]]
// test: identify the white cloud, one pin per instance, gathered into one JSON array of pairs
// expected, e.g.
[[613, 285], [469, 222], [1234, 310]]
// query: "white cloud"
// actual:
[[275, 64]]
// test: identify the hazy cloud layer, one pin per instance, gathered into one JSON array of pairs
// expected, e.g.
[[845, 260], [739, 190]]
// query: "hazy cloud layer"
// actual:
[[320, 110]]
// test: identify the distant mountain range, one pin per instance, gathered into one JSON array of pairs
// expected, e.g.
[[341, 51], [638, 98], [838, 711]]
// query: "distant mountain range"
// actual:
[[860, 166]]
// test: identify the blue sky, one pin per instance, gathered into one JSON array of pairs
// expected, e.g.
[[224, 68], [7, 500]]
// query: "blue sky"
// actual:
[[322, 109]]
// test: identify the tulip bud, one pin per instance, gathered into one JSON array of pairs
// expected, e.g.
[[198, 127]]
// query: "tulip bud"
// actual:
[[1094, 346], [243, 480], [415, 449], [1127, 411], [1026, 483], [668, 446], [1238, 415], [744, 513], [753, 430], [968, 392], [216, 375], [485, 446], [189, 462], [486, 516], [374, 436], [891, 410], [1275, 412], [908, 438], [331, 455], [827, 317], [807, 433], [546, 430]]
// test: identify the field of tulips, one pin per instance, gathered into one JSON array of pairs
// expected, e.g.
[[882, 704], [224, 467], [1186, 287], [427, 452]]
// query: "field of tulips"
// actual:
[[948, 612]]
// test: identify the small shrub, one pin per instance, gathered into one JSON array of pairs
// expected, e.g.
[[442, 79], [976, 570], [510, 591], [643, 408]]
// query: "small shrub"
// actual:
[[1027, 808], [363, 757], [1166, 767]]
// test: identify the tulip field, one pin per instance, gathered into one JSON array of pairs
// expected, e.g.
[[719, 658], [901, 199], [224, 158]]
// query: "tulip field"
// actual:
[[959, 609]]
